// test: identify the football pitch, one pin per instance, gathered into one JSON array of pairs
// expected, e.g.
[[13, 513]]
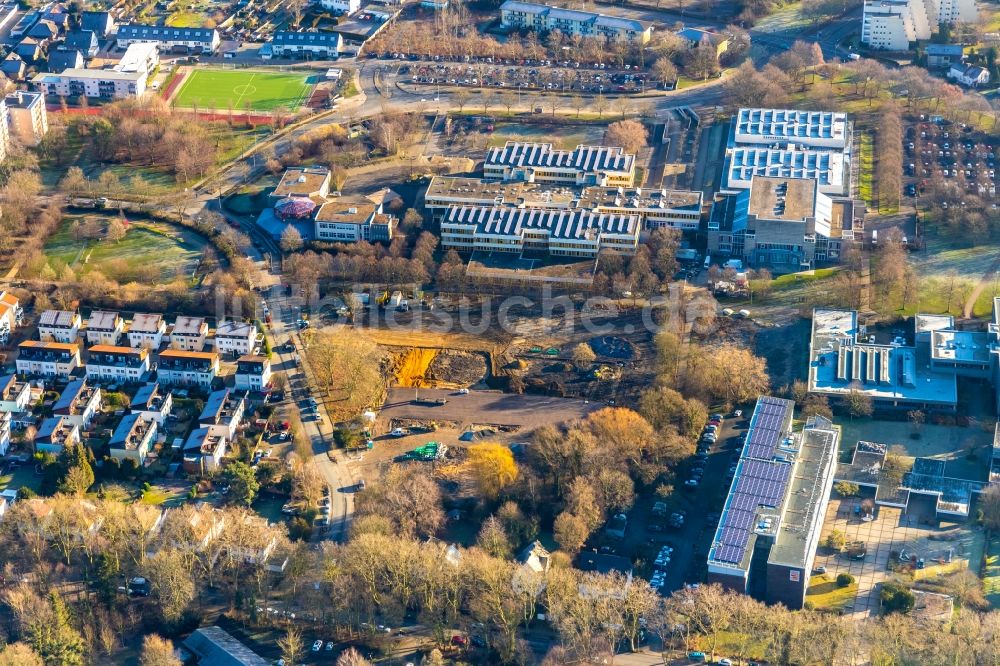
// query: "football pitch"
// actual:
[[262, 91]]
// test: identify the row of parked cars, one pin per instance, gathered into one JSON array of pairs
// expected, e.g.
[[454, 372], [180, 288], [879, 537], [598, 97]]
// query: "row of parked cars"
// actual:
[[709, 436]]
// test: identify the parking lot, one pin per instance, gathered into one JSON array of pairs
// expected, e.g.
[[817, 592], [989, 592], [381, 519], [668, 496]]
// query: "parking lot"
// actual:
[[890, 535], [936, 151], [594, 78]]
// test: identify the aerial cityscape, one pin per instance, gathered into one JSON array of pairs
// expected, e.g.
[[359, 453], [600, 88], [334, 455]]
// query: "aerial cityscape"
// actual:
[[445, 332]]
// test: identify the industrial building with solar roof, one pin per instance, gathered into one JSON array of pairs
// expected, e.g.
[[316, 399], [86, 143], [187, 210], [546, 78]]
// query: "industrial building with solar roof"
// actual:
[[770, 526]]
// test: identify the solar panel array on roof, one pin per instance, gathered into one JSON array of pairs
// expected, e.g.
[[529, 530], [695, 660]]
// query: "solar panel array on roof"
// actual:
[[765, 428], [761, 481]]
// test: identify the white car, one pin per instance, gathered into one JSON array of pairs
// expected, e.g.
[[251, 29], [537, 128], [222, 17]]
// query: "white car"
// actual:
[[317, 646], [398, 432], [463, 391]]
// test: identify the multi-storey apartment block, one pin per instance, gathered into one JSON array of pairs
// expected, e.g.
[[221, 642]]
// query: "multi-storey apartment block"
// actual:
[[517, 15], [50, 359], [187, 368]]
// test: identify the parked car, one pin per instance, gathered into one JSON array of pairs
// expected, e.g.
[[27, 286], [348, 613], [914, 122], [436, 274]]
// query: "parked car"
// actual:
[[317, 646], [459, 640]]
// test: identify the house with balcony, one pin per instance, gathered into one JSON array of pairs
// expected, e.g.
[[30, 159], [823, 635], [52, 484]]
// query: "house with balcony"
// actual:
[[223, 412], [11, 315], [111, 363], [56, 434], [5, 421], [59, 326], [104, 328], [204, 450], [169, 39], [79, 403], [152, 404], [147, 330], [189, 333], [187, 368], [15, 396], [236, 338], [253, 373], [133, 439], [49, 359]]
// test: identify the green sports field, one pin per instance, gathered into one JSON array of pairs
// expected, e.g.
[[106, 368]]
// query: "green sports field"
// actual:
[[263, 91]]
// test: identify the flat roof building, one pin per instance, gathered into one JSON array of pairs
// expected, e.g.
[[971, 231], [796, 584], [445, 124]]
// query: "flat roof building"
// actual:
[[517, 15], [785, 143], [95, 83], [27, 116], [555, 232], [678, 209], [540, 162], [771, 522]]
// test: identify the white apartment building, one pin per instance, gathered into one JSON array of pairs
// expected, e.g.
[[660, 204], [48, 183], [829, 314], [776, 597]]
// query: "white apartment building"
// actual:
[[349, 220], [235, 337], [341, 6], [5, 421], [892, 25], [253, 373], [191, 40], [11, 315], [189, 333], [104, 328], [517, 15], [50, 359], [109, 363], [142, 57], [27, 117], [15, 395], [59, 326], [147, 330], [541, 163], [95, 83], [576, 233]]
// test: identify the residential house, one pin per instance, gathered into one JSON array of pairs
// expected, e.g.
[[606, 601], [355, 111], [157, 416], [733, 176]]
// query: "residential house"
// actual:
[[517, 15], [133, 439], [193, 528], [223, 412], [204, 450], [59, 326], [52, 359], [187, 368], [5, 421], [536, 557], [25, 23], [308, 182], [349, 220], [971, 76], [346, 7], [257, 542], [27, 117], [11, 315], [56, 434], [104, 328], [189, 40], [84, 41], [15, 396], [13, 66], [45, 31], [62, 58], [236, 337], [696, 37], [152, 404], [79, 403], [253, 373], [307, 44], [189, 333], [943, 55], [29, 49], [93, 83], [100, 23], [118, 364], [147, 330]]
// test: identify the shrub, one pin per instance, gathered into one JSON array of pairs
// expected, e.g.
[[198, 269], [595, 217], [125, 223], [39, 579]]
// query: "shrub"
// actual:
[[845, 580]]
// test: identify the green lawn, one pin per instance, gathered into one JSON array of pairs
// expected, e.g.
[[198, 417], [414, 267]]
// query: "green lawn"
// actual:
[[263, 91], [186, 19], [991, 572], [794, 279], [563, 137], [867, 167], [824, 594], [150, 252]]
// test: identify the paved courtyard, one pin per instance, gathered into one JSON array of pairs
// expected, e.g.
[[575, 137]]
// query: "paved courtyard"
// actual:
[[891, 530]]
